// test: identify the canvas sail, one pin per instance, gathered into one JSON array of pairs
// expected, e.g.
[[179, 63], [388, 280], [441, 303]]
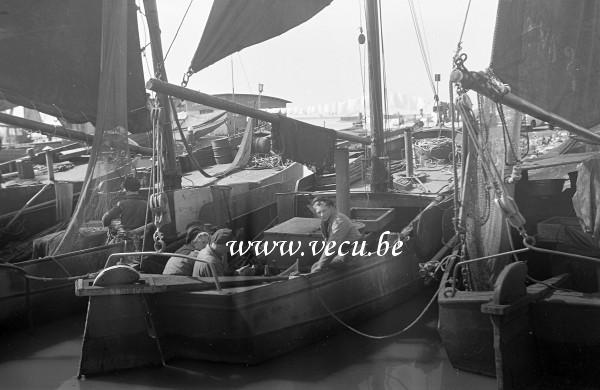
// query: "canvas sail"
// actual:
[[233, 25], [546, 51], [51, 59]]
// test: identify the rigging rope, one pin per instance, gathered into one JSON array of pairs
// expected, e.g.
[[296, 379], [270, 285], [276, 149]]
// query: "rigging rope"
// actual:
[[178, 28], [422, 47], [462, 31]]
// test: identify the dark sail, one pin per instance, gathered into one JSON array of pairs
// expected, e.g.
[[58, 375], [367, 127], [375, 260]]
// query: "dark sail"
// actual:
[[546, 51], [233, 25], [51, 59]]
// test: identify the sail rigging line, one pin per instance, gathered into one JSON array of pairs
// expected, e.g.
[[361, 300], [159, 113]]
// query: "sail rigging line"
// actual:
[[186, 145], [506, 134], [239, 55], [178, 28], [421, 43], [147, 42], [462, 31]]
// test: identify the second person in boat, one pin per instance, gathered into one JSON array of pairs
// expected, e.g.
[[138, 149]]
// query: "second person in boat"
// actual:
[[216, 254], [336, 228]]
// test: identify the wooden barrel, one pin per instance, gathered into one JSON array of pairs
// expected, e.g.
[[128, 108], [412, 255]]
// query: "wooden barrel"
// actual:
[[222, 151], [205, 156], [261, 145]]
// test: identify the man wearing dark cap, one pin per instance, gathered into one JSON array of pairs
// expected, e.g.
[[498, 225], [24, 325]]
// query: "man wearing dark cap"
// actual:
[[196, 239], [216, 253], [131, 209]]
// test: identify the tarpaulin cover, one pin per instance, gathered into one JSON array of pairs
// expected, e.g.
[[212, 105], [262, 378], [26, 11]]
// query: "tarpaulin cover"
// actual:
[[235, 24], [51, 59], [303, 142], [546, 50]]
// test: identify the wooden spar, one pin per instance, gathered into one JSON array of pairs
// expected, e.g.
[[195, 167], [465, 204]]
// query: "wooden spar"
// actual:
[[222, 104], [408, 152], [342, 181], [378, 177], [60, 131], [472, 80], [171, 177]]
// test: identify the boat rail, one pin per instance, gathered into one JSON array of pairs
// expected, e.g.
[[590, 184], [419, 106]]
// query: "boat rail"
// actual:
[[167, 254]]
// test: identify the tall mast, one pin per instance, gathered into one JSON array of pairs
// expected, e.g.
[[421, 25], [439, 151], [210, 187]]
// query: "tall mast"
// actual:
[[378, 178], [172, 179]]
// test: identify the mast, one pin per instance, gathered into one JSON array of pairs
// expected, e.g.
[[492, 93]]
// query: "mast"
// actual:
[[172, 179], [378, 179]]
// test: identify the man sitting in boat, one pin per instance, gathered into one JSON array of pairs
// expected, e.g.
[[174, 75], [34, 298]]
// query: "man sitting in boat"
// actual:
[[196, 239], [131, 209], [216, 254], [336, 228]]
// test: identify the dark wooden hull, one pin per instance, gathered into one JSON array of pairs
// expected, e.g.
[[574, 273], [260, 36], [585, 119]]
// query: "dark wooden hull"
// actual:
[[566, 326], [36, 301], [243, 324]]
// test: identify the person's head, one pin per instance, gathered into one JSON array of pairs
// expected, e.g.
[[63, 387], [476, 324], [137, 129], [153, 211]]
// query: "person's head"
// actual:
[[193, 234], [131, 184], [219, 240], [324, 207], [200, 240]]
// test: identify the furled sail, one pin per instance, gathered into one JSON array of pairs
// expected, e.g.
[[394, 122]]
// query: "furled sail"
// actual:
[[546, 51], [233, 25], [51, 59]]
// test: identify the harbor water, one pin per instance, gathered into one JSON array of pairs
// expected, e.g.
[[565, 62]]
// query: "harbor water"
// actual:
[[47, 357]]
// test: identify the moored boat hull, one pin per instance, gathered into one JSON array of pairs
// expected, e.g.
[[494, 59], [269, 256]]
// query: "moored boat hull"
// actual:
[[38, 301], [242, 324]]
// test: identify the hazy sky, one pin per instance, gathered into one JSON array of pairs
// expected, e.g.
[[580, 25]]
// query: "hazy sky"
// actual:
[[319, 63]]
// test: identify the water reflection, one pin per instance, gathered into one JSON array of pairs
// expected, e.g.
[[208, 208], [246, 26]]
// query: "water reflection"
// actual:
[[48, 359]]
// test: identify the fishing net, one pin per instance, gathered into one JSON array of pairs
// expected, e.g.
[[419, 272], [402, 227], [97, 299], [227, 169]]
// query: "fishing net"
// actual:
[[109, 161], [486, 232]]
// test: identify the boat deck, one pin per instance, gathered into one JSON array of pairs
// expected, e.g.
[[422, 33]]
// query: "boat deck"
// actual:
[[258, 176]]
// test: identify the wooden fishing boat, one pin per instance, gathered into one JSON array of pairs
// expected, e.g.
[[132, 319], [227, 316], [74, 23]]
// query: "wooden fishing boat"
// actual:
[[239, 324], [48, 294], [247, 319], [530, 322]]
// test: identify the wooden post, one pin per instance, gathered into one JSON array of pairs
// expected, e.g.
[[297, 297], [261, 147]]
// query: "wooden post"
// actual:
[[514, 343], [342, 181], [378, 177], [49, 162], [408, 152]]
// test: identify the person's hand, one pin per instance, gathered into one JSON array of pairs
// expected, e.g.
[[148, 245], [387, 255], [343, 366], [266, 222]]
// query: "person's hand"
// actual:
[[247, 270]]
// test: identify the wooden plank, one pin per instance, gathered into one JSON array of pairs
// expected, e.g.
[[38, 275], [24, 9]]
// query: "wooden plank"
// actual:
[[154, 284]]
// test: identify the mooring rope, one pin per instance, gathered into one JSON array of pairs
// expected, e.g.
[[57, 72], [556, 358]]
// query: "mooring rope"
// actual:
[[370, 336]]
